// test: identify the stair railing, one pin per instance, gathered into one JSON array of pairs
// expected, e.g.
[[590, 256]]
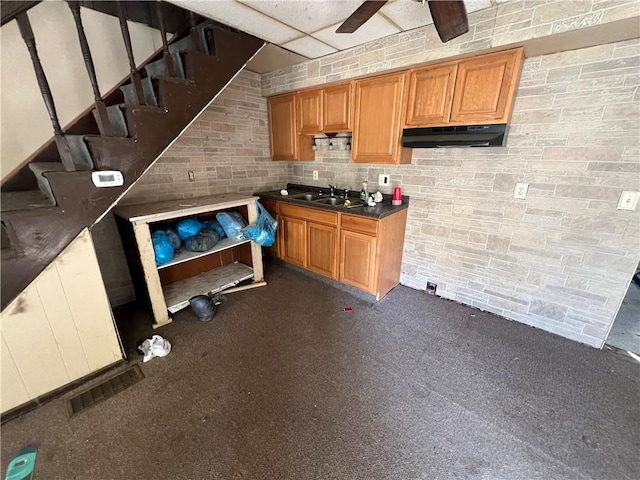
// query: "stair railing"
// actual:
[[133, 72], [61, 141], [101, 107], [195, 37], [166, 55]]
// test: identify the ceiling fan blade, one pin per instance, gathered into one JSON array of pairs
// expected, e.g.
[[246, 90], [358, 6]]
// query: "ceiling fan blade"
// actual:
[[449, 18], [363, 13]]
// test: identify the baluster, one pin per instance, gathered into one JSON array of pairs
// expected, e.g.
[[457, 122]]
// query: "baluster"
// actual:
[[133, 75], [88, 62], [61, 141], [195, 38], [168, 61]]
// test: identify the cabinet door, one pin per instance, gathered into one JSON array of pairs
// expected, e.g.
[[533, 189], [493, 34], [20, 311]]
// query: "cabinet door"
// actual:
[[336, 114], [293, 245], [377, 125], [321, 247], [430, 96], [357, 260], [485, 88], [282, 127], [310, 112]]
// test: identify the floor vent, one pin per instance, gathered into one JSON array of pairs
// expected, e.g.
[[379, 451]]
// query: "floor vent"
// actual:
[[104, 390]]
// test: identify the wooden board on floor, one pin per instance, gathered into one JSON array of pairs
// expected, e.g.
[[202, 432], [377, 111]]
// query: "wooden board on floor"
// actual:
[[177, 294]]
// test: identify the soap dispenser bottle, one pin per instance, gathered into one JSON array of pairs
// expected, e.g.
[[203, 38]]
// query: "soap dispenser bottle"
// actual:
[[363, 193]]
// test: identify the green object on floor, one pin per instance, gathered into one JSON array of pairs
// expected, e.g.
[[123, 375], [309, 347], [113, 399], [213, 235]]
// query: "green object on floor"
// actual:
[[21, 466]]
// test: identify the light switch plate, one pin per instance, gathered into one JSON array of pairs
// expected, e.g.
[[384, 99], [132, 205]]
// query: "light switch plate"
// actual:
[[520, 191], [384, 179], [628, 200]]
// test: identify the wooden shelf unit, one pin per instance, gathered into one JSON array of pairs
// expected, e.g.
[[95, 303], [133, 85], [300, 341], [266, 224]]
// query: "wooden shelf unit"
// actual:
[[136, 223]]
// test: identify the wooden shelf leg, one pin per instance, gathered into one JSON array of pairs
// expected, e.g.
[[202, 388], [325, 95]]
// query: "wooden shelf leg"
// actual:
[[147, 259]]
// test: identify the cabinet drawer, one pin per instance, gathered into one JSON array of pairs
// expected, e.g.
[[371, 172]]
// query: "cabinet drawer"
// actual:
[[312, 214], [360, 224]]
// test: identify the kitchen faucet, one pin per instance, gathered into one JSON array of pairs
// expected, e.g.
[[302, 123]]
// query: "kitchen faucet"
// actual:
[[332, 190]]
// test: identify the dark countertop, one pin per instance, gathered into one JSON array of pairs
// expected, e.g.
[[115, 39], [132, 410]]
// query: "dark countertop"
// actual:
[[381, 210]]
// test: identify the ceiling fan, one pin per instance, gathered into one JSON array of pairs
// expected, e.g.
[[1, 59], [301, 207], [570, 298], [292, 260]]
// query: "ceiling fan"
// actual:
[[449, 17]]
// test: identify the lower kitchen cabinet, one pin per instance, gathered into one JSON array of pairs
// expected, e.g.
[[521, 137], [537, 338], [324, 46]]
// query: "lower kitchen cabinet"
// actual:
[[308, 238], [357, 260], [321, 257], [293, 241], [360, 251]]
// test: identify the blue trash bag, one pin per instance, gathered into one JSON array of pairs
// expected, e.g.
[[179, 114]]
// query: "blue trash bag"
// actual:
[[215, 226], [232, 223], [174, 238], [162, 247], [264, 232], [188, 228]]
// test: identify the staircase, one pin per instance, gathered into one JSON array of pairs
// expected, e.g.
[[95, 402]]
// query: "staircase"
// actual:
[[152, 108]]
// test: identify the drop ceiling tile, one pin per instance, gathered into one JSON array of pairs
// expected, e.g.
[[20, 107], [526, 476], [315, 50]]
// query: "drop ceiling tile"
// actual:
[[306, 15], [243, 18], [376, 27], [407, 14], [309, 47], [272, 57]]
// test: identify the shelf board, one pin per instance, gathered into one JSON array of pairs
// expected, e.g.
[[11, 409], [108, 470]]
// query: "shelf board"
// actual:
[[177, 294], [184, 255]]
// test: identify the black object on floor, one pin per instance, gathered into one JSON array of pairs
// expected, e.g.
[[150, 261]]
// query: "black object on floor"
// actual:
[[104, 390]]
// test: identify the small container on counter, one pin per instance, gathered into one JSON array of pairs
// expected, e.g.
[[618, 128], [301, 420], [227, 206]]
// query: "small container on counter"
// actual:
[[397, 196]]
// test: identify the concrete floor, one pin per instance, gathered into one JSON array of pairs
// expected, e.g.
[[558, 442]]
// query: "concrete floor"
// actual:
[[625, 332], [283, 384]]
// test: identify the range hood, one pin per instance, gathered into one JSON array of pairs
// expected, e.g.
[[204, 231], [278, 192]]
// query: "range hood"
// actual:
[[459, 136]]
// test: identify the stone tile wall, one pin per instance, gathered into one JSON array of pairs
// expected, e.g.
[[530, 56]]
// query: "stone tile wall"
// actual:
[[562, 259], [227, 148]]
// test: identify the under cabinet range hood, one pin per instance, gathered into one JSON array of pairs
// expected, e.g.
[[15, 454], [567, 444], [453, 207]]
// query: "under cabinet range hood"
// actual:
[[459, 136]]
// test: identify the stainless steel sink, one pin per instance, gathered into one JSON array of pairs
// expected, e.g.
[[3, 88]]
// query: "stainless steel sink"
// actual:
[[330, 201], [307, 197]]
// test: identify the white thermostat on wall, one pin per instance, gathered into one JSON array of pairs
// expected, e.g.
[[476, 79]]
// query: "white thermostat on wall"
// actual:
[[107, 178]]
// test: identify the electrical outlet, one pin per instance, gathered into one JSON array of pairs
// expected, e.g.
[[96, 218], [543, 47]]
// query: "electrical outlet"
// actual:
[[628, 200], [315, 174], [192, 177], [431, 288], [384, 179], [521, 191]]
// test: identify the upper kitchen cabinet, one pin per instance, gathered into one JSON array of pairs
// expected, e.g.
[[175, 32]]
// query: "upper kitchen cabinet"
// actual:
[[475, 91], [430, 95], [325, 110], [336, 113], [286, 142], [378, 119], [310, 111], [485, 88]]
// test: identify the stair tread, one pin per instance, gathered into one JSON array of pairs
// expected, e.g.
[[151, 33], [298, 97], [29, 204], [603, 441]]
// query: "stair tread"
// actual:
[[146, 108], [40, 167], [27, 200], [100, 138]]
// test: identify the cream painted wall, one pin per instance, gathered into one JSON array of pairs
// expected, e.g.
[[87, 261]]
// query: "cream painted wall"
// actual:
[[59, 329], [25, 122]]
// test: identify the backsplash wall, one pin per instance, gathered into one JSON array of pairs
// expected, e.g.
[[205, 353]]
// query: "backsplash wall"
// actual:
[[226, 148], [562, 259]]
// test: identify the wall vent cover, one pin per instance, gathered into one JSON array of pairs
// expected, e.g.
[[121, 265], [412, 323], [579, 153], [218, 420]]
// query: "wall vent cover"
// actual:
[[104, 390]]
